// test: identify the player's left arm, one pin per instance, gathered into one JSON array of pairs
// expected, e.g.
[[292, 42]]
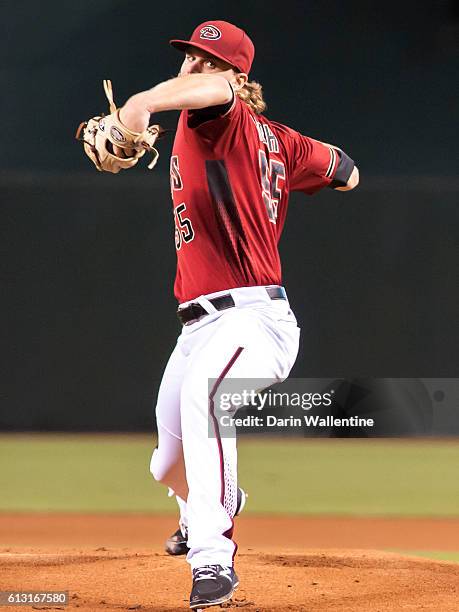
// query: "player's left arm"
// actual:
[[193, 91]]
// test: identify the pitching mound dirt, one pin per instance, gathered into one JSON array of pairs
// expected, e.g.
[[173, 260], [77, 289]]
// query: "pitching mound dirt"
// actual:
[[108, 570], [310, 581]]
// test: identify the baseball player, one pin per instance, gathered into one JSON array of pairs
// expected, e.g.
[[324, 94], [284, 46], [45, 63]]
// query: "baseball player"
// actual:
[[231, 173]]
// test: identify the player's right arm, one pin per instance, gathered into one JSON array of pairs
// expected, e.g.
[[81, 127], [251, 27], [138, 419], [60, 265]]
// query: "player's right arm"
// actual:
[[353, 180], [192, 91], [317, 164]]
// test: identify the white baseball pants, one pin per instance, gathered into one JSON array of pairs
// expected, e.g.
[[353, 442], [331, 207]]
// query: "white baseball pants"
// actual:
[[258, 338]]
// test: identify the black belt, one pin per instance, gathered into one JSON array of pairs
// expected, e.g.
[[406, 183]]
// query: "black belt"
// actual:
[[194, 311]]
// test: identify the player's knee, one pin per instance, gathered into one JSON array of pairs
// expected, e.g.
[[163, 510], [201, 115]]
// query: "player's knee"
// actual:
[[158, 468]]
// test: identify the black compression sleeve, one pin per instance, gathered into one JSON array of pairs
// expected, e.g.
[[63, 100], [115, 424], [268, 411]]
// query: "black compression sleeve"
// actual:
[[200, 115], [344, 170]]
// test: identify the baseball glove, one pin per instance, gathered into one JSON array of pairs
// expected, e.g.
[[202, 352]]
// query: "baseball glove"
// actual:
[[101, 134]]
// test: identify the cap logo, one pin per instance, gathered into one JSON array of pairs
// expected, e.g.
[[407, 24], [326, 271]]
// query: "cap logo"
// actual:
[[210, 32]]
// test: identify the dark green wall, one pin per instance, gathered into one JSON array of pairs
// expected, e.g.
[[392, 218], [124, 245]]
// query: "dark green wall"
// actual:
[[376, 78], [88, 260], [89, 315]]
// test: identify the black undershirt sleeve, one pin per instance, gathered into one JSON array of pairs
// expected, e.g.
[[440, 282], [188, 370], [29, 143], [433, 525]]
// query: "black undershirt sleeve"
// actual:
[[343, 171], [201, 115]]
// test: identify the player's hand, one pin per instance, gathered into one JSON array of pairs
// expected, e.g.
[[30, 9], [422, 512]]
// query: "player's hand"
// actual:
[[112, 146]]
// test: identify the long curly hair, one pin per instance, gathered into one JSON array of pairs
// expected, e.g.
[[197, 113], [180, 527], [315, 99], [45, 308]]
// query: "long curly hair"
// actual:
[[252, 94]]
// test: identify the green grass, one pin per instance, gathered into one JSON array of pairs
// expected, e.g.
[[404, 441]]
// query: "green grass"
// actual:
[[79, 473], [366, 477], [97, 473], [439, 555]]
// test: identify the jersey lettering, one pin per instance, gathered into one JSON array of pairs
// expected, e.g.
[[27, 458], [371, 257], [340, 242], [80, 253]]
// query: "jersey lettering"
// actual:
[[271, 141], [266, 136], [271, 191], [176, 179]]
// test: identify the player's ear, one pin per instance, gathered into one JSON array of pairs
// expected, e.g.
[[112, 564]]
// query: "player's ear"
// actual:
[[240, 79]]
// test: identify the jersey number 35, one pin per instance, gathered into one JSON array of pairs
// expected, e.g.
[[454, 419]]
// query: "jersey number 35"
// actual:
[[270, 175]]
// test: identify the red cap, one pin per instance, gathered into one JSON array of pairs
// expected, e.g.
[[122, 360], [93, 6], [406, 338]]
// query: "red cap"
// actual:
[[223, 40]]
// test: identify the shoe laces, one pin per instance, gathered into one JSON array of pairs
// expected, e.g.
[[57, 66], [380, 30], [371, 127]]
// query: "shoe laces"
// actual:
[[207, 572]]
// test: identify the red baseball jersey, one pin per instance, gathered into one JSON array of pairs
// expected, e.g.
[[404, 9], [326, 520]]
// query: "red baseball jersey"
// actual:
[[231, 176]]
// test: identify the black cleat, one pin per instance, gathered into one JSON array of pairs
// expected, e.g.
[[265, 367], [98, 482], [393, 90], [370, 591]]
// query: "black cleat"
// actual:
[[176, 544], [212, 585]]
